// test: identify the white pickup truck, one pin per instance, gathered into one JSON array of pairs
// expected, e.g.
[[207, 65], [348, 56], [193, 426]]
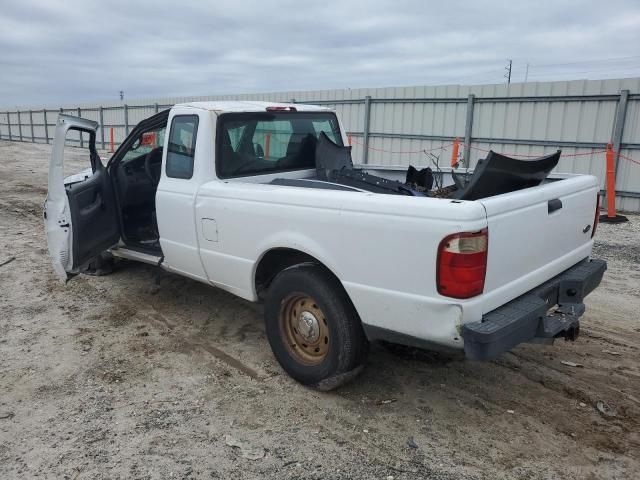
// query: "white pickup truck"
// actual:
[[262, 200]]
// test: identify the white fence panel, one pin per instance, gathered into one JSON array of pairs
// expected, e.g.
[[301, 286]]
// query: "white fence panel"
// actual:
[[397, 126]]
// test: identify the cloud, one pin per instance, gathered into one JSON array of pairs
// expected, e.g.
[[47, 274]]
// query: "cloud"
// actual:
[[71, 52]]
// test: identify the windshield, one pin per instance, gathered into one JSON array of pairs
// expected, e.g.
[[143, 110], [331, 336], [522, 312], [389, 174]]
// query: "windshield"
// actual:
[[269, 142]]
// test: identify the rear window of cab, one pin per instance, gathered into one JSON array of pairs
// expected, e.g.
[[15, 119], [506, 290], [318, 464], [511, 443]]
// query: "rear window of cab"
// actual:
[[270, 142]]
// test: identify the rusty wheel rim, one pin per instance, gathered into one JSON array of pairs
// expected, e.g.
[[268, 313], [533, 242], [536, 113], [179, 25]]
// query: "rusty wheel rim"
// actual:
[[304, 329]]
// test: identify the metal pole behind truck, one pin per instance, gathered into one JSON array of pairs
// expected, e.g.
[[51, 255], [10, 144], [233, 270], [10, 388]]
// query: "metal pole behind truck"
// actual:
[[618, 126], [126, 120], [33, 138], [19, 126], [468, 129], [46, 125], [79, 132], [365, 129], [102, 126]]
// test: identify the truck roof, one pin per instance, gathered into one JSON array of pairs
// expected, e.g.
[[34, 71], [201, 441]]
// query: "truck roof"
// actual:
[[224, 106]]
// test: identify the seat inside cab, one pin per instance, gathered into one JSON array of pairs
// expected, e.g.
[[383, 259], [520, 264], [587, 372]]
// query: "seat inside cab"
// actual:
[[136, 174]]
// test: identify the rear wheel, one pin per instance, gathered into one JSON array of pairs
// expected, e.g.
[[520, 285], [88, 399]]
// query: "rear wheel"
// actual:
[[313, 328], [304, 329]]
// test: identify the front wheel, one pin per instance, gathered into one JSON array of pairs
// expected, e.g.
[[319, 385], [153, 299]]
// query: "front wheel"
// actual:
[[313, 329]]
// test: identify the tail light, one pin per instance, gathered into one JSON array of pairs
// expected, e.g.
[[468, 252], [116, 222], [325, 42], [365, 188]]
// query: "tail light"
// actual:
[[595, 220], [462, 264]]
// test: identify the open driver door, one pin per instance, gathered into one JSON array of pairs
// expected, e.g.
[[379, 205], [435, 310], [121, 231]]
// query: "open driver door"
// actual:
[[80, 212]]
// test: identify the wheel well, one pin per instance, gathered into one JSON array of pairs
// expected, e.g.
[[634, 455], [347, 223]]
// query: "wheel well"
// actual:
[[277, 260]]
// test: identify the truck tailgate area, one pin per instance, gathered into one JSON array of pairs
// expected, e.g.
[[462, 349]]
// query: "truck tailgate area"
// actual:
[[535, 234]]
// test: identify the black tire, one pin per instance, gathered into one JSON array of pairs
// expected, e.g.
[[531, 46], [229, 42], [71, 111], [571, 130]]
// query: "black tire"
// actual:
[[347, 348]]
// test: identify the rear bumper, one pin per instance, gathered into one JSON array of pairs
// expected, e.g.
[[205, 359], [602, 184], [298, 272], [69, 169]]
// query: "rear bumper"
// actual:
[[527, 317]]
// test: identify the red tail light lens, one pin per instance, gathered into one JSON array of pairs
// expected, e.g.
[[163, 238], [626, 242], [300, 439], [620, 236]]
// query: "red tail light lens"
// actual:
[[595, 220], [462, 264]]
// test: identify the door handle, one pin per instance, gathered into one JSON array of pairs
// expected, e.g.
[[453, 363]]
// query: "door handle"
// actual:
[[553, 205]]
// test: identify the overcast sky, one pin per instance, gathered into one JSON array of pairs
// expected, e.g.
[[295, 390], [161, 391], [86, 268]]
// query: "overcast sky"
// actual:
[[54, 52]]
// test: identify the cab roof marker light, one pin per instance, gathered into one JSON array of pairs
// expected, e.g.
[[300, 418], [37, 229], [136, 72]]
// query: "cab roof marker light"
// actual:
[[281, 109]]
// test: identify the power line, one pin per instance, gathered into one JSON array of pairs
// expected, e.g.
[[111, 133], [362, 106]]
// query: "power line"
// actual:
[[495, 75], [592, 70], [497, 71], [586, 61], [537, 71]]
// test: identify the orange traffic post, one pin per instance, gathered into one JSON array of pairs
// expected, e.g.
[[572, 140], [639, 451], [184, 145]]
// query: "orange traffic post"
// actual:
[[267, 144], [611, 216], [350, 140], [111, 145], [611, 182], [454, 153]]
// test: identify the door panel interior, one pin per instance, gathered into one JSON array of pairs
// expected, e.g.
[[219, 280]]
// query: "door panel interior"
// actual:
[[93, 212]]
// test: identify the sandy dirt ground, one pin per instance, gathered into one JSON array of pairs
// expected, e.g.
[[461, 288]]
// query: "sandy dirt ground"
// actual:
[[141, 374]]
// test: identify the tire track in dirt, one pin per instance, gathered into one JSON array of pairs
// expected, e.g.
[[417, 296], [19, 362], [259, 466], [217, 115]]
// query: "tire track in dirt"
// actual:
[[189, 340]]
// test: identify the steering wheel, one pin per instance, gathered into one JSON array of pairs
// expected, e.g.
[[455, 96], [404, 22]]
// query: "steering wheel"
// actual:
[[153, 165]]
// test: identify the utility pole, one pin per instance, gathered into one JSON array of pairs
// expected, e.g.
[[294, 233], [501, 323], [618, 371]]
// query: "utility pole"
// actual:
[[526, 73], [508, 74], [121, 95]]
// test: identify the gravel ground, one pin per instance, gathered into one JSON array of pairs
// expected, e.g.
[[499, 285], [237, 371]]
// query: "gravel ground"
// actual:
[[141, 374]]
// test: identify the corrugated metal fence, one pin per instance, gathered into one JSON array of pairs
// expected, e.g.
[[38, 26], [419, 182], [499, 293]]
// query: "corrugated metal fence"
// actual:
[[393, 127]]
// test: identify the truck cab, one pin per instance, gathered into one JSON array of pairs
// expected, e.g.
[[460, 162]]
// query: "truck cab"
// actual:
[[142, 191], [262, 200]]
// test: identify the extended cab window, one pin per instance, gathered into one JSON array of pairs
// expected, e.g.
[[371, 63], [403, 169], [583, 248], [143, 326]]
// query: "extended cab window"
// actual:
[[182, 146], [261, 143]]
